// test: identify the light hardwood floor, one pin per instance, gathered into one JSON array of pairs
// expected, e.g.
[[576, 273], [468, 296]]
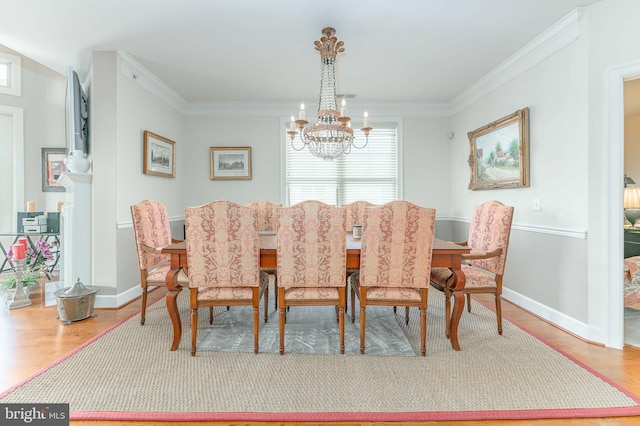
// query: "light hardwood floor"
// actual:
[[32, 338]]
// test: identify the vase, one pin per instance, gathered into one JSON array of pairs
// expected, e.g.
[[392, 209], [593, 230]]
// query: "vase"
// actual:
[[76, 162]]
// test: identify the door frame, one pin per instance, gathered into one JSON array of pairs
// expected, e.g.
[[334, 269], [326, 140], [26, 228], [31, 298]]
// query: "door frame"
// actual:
[[613, 211], [17, 118]]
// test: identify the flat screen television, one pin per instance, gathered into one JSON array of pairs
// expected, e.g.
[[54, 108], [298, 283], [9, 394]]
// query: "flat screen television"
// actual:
[[77, 114]]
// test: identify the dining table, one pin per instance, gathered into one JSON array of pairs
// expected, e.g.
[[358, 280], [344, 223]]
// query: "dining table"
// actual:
[[445, 254]]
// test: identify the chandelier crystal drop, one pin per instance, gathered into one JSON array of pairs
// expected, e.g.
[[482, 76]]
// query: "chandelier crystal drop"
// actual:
[[331, 136]]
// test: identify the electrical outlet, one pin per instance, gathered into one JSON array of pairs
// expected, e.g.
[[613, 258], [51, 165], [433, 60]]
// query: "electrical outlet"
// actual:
[[536, 205]]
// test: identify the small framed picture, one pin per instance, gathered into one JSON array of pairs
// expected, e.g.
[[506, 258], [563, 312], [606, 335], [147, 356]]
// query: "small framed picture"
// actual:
[[499, 153], [231, 162], [52, 167], [159, 155]]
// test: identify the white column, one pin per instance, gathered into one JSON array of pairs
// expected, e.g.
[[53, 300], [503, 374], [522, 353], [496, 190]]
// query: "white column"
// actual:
[[77, 230]]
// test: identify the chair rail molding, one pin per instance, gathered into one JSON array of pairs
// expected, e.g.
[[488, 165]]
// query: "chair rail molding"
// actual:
[[541, 229]]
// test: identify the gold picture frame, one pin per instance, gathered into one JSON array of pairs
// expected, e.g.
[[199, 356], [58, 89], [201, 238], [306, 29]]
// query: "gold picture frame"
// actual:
[[159, 156], [230, 162], [499, 153], [52, 167]]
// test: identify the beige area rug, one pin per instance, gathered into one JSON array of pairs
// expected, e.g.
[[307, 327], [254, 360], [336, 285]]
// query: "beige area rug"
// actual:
[[309, 329], [129, 374]]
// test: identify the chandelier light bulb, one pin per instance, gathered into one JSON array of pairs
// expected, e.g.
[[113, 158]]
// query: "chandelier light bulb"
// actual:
[[301, 114]]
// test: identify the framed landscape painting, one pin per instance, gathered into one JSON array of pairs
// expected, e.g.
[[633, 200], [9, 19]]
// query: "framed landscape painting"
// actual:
[[499, 153], [52, 167], [159, 155], [232, 162]]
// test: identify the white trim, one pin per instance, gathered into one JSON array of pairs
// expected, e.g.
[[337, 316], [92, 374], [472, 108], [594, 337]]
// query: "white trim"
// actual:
[[15, 71], [17, 115], [555, 317], [140, 75], [560, 35], [562, 232], [118, 300], [613, 163], [127, 224]]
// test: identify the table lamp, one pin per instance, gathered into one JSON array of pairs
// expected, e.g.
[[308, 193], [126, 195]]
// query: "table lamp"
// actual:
[[632, 205]]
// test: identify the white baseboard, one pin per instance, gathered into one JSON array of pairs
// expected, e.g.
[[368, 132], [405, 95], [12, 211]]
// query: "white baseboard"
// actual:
[[559, 319], [117, 300]]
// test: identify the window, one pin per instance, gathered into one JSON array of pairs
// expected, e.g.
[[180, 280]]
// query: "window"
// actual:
[[10, 68], [370, 174]]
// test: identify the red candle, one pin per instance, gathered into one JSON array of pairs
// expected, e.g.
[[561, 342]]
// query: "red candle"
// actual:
[[25, 242], [18, 251]]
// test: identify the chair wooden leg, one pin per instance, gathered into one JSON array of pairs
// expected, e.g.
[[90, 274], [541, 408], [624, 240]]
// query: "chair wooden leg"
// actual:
[[144, 306], [342, 302], [282, 318], [423, 331], [266, 304], [353, 306], [194, 330], [210, 314], [275, 291], [363, 325], [256, 324], [406, 315], [468, 302], [447, 312], [499, 313]]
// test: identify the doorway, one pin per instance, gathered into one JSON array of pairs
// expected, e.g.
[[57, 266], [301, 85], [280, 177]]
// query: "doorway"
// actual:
[[631, 156]]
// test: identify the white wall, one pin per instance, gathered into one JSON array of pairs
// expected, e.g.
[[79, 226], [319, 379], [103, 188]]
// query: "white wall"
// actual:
[[538, 265], [43, 101], [262, 134], [613, 35]]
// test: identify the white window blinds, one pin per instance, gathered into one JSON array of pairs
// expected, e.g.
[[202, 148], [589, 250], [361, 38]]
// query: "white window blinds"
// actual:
[[369, 174]]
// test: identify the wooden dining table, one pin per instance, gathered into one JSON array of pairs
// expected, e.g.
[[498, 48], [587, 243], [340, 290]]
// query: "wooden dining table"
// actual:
[[445, 255]]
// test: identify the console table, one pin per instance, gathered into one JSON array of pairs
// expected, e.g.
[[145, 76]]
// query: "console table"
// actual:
[[52, 238]]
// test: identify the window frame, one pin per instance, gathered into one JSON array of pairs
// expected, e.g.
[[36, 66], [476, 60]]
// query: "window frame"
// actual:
[[14, 73], [284, 127]]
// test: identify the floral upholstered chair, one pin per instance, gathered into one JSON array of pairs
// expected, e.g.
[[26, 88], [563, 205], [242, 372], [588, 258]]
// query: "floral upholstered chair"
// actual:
[[266, 214], [311, 257], [223, 259], [355, 216], [152, 229], [395, 261], [355, 213], [484, 265], [267, 222]]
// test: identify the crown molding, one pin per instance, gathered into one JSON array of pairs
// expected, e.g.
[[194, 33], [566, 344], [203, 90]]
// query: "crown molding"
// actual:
[[561, 34], [140, 75]]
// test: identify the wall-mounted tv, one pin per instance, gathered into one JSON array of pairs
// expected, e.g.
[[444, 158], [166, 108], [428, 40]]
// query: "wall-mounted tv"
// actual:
[[77, 114]]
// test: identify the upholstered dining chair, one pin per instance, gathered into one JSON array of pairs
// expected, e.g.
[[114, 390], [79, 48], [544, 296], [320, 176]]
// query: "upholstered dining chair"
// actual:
[[223, 258], [151, 228], [483, 267], [355, 215], [267, 222], [395, 261], [311, 258]]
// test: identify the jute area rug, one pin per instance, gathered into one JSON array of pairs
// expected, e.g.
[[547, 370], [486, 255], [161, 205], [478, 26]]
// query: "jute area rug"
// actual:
[[128, 373]]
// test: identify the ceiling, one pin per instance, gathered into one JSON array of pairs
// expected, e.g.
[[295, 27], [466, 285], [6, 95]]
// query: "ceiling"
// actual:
[[262, 50]]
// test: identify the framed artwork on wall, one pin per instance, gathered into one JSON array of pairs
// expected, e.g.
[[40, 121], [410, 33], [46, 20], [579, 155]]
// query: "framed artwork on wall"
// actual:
[[230, 162], [159, 155], [499, 153], [52, 167]]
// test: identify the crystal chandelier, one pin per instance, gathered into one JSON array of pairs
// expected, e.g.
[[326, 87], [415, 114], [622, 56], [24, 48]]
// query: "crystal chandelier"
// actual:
[[331, 136]]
